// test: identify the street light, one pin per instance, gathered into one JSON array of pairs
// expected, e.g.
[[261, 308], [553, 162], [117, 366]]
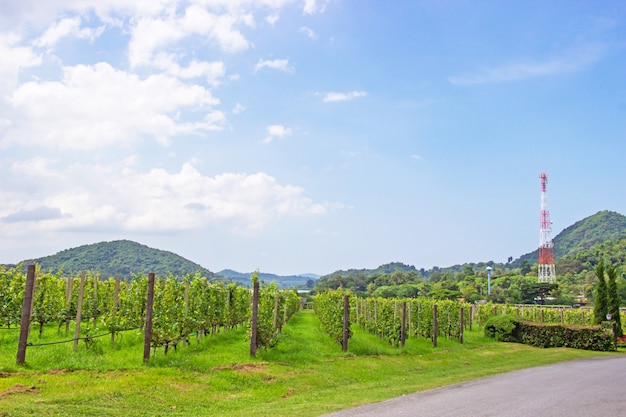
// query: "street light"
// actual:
[[489, 280]]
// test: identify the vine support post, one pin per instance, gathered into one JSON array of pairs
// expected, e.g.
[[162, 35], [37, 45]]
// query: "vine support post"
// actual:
[[435, 329], [116, 305], [27, 303], [254, 318], [461, 324], [68, 302], [79, 310], [149, 309], [346, 323], [403, 328]]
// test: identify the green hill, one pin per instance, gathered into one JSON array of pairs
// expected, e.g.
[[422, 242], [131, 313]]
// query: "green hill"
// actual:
[[584, 234], [283, 281], [120, 257]]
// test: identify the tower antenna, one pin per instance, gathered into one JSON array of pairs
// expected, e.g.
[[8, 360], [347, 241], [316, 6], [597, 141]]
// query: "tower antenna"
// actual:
[[546, 270]]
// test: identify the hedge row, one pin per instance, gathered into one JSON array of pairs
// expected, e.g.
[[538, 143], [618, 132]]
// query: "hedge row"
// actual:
[[510, 329]]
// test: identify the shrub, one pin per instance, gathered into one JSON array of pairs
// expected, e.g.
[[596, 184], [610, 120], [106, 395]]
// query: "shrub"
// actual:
[[578, 337], [506, 328], [503, 328]]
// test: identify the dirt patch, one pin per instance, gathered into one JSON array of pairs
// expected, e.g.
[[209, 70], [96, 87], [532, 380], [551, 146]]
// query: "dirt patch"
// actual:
[[19, 389], [289, 393], [244, 368]]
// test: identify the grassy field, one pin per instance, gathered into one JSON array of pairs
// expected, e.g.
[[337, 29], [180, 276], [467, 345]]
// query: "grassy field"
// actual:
[[305, 374]]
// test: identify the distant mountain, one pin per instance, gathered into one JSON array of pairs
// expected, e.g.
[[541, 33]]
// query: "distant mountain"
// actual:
[[383, 269], [120, 257], [283, 281], [584, 234], [580, 241]]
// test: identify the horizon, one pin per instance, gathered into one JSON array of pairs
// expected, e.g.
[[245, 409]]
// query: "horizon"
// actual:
[[310, 135], [316, 274]]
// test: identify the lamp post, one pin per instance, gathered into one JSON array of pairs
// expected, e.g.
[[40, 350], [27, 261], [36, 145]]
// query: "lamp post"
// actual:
[[489, 280]]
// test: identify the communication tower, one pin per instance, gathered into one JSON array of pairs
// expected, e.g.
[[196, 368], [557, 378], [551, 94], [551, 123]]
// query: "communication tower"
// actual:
[[546, 270]]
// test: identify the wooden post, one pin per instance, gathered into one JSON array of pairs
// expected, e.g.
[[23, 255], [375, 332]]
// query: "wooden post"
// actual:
[[562, 316], [542, 315], [95, 301], [471, 316], [346, 323], [79, 310], [27, 303], [68, 302], [275, 312], [147, 340], [435, 330], [461, 325], [116, 304], [254, 319], [403, 328]]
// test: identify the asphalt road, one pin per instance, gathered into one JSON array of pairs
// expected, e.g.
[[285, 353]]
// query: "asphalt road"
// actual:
[[594, 387]]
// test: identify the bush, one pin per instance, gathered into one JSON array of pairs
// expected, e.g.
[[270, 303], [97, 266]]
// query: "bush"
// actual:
[[503, 328], [578, 337], [510, 329]]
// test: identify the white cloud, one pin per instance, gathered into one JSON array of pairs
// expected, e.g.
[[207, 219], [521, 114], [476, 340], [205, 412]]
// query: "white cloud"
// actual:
[[272, 19], [211, 71], [148, 35], [416, 157], [570, 62], [120, 198], [13, 58], [239, 108], [277, 132], [334, 96], [277, 64], [98, 106], [310, 33], [63, 28], [310, 6]]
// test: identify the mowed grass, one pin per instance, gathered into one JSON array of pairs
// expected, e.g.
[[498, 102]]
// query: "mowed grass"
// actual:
[[305, 374]]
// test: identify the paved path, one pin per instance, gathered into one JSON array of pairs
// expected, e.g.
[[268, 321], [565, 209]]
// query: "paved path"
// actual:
[[594, 387]]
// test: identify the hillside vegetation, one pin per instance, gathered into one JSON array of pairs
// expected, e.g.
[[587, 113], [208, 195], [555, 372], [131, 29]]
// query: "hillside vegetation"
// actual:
[[578, 249], [120, 257]]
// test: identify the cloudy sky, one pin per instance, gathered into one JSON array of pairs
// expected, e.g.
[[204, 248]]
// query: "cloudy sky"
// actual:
[[299, 136]]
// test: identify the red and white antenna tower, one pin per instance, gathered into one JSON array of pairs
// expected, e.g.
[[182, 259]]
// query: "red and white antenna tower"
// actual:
[[546, 269]]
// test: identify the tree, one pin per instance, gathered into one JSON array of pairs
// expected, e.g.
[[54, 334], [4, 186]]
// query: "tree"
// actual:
[[600, 307], [613, 300], [524, 267]]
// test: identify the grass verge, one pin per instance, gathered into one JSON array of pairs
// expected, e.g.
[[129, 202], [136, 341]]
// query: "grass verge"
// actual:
[[305, 374]]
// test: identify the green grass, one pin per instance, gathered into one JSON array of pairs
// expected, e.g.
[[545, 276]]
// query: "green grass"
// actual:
[[305, 374]]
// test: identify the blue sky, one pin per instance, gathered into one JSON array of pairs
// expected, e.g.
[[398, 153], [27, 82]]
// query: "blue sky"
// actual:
[[308, 136]]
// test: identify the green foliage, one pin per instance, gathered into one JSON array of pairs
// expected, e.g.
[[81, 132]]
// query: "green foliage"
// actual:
[[329, 308], [121, 257], [600, 307], [577, 337], [613, 300], [11, 295], [503, 328]]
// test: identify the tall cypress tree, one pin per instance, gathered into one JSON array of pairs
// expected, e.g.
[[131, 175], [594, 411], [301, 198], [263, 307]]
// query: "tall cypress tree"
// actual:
[[614, 300], [600, 307]]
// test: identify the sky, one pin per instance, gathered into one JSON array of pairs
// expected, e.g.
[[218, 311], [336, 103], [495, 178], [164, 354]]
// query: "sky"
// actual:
[[308, 136]]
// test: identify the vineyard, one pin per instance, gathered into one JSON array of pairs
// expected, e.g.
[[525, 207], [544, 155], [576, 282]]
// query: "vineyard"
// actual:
[[199, 344], [397, 319], [182, 308], [193, 307]]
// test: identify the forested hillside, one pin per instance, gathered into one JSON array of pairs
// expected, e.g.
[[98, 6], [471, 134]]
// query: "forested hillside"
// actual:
[[283, 281], [578, 249], [584, 234], [120, 257]]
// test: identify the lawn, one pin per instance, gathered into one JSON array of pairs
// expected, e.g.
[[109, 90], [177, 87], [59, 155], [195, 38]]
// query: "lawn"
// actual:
[[304, 374]]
